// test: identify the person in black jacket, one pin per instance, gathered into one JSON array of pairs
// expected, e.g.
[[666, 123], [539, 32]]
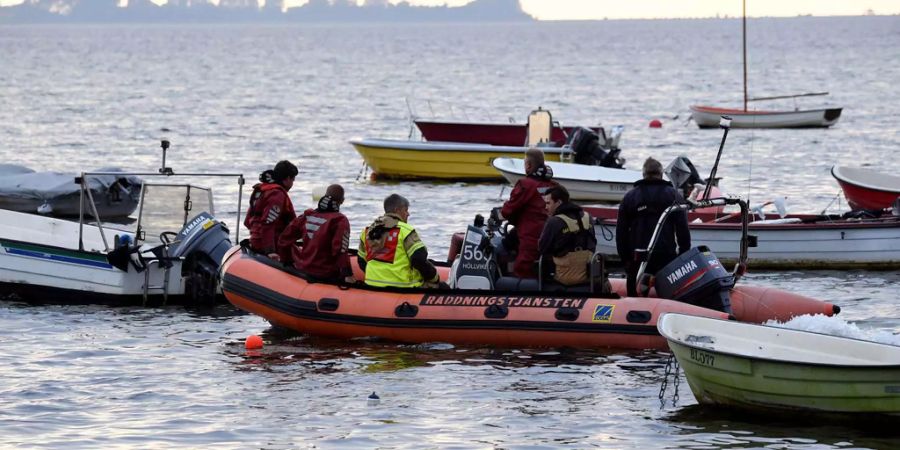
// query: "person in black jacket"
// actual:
[[568, 241], [638, 214]]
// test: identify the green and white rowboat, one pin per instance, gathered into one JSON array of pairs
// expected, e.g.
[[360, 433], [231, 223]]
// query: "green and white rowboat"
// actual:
[[767, 368]]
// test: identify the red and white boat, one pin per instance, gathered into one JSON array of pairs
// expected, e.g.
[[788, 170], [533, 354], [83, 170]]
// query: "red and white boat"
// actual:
[[866, 188], [708, 117], [505, 134], [794, 241]]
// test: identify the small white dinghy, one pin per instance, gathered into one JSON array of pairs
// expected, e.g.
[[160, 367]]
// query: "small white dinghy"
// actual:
[[766, 368], [584, 183]]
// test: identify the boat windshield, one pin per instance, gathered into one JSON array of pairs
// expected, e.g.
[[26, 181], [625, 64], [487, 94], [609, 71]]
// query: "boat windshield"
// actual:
[[168, 207]]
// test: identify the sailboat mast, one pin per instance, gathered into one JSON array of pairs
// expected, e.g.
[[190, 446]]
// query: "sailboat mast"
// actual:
[[744, 40]]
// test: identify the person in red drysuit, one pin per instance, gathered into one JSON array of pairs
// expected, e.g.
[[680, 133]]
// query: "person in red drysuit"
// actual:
[[325, 236], [526, 210], [270, 209]]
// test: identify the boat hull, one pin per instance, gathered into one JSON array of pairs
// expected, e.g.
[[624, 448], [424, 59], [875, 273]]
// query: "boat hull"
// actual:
[[584, 183], [40, 262], [505, 134], [835, 244], [763, 385], [394, 159], [43, 273], [527, 319], [867, 189], [708, 117], [776, 369]]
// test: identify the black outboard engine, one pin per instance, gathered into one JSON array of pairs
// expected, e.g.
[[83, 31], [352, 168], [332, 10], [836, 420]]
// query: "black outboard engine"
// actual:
[[585, 144], [202, 242], [696, 277]]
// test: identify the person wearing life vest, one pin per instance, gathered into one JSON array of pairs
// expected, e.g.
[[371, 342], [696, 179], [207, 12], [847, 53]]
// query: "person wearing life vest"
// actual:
[[271, 209], [391, 253], [526, 210], [568, 241], [324, 233], [638, 214]]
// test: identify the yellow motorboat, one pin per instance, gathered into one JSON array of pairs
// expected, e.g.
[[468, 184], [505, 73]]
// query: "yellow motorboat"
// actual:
[[398, 159]]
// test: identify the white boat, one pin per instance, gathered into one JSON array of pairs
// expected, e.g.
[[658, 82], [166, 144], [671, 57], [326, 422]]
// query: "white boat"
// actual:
[[58, 194], [794, 241], [584, 183], [708, 116], [765, 368], [44, 259]]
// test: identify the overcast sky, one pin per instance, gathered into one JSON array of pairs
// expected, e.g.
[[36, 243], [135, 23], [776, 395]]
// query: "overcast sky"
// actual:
[[622, 9]]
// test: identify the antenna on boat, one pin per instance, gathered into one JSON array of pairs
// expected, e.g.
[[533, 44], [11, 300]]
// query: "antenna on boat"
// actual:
[[744, 42], [163, 169], [725, 124]]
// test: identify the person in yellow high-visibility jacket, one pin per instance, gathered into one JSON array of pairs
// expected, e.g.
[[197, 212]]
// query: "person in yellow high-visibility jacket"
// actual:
[[391, 253]]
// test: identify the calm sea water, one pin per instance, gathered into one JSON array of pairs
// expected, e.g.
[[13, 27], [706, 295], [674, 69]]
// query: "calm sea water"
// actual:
[[238, 98]]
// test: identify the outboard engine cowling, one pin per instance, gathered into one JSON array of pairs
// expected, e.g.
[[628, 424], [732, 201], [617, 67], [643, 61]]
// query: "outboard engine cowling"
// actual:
[[475, 268], [682, 174], [203, 243], [696, 277], [585, 144]]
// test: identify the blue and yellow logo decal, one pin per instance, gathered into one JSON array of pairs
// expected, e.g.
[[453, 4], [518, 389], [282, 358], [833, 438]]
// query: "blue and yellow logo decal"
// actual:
[[603, 313]]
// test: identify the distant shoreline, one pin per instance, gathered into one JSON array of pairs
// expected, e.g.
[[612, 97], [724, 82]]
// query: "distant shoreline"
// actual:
[[62, 20]]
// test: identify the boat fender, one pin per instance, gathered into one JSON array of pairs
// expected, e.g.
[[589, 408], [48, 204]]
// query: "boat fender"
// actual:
[[328, 304], [406, 310], [638, 316], [570, 314], [496, 312]]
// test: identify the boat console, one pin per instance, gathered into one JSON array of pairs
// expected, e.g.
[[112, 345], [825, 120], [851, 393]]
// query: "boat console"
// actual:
[[480, 260]]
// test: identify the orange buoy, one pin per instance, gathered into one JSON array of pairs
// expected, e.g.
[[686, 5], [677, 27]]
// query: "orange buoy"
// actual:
[[655, 123], [253, 342]]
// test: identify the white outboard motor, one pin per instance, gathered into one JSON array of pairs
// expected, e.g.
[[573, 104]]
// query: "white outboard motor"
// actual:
[[475, 268], [696, 277], [202, 242]]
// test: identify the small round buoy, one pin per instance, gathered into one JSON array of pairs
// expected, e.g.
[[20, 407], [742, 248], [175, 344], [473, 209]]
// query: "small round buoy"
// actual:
[[655, 123], [253, 342], [373, 399]]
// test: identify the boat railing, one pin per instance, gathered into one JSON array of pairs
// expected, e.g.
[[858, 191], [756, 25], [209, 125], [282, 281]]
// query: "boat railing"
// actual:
[[740, 267], [163, 172]]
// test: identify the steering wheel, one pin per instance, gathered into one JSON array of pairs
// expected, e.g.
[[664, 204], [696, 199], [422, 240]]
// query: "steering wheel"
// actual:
[[168, 237]]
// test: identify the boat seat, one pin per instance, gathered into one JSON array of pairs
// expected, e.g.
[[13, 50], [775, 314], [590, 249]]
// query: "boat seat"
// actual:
[[598, 278], [516, 284], [540, 125]]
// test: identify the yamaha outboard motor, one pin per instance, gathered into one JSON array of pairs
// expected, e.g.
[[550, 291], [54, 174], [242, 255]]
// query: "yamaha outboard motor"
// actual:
[[696, 277], [202, 242]]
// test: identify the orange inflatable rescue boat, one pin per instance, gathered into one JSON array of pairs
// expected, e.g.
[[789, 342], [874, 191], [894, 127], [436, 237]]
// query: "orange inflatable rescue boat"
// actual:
[[486, 308]]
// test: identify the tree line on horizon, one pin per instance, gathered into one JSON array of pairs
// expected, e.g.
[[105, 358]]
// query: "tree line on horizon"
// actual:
[[63, 11]]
